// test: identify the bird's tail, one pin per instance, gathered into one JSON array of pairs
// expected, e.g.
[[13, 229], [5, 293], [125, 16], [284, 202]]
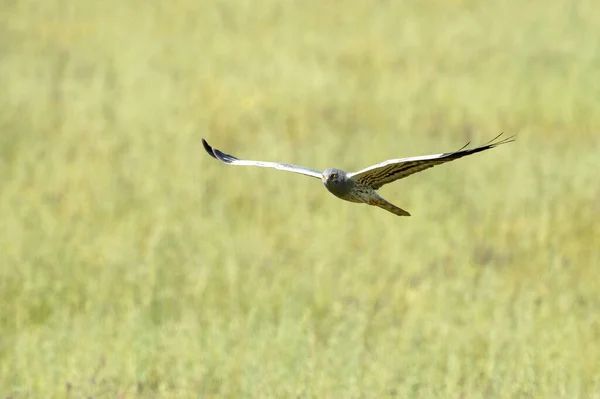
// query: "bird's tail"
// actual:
[[383, 204]]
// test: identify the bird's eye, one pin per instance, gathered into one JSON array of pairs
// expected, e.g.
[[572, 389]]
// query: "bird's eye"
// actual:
[[334, 175]]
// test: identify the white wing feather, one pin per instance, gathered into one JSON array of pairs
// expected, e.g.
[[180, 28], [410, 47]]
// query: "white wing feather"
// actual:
[[231, 160]]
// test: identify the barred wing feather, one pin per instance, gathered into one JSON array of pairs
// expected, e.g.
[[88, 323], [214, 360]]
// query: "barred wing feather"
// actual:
[[386, 172]]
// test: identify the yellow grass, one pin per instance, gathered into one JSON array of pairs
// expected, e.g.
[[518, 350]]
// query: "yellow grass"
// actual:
[[134, 265]]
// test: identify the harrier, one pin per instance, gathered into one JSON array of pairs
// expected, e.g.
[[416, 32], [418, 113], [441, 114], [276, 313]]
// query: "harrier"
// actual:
[[361, 186]]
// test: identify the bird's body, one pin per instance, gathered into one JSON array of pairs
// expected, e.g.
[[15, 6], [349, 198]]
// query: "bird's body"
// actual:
[[339, 184], [361, 186]]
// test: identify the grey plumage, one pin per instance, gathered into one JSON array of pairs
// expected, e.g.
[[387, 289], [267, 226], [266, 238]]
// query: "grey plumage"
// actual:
[[338, 183], [361, 186]]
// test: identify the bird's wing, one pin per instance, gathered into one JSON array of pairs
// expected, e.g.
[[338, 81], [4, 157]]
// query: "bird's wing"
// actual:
[[386, 172], [231, 160]]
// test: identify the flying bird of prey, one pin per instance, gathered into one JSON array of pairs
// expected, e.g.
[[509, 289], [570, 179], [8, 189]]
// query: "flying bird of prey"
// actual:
[[361, 186]]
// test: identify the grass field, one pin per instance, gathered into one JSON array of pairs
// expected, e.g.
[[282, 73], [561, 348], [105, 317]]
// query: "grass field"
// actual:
[[132, 265]]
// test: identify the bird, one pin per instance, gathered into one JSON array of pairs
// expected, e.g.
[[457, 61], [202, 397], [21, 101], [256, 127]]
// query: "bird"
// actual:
[[362, 186]]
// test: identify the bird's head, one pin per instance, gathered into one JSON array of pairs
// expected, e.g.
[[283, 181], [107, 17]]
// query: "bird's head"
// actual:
[[333, 177], [336, 181]]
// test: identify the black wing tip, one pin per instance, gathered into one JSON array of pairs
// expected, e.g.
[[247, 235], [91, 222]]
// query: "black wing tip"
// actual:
[[495, 142], [208, 149], [490, 144], [508, 139], [221, 156], [216, 154]]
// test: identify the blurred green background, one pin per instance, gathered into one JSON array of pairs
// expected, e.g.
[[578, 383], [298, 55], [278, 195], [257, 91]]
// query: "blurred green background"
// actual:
[[134, 265]]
